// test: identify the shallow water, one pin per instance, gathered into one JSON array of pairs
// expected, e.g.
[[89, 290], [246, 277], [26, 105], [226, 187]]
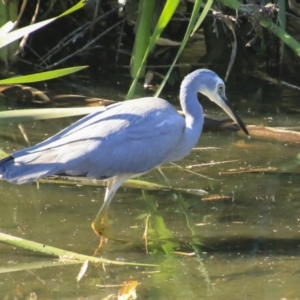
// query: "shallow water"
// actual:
[[240, 241]]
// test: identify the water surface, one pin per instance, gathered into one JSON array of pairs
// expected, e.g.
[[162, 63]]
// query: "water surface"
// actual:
[[240, 241]]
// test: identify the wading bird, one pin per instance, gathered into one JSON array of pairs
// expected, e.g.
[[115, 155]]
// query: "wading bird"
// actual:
[[127, 140]]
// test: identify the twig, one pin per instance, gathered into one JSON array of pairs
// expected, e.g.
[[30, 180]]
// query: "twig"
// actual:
[[72, 36], [47, 12], [176, 65], [227, 20], [22, 9], [272, 80], [211, 163], [25, 38], [145, 235], [95, 14], [200, 175], [120, 41], [25, 136], [83, 48], [64, 42]]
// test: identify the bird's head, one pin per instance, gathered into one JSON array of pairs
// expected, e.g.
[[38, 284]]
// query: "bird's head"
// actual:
[[213, 87]]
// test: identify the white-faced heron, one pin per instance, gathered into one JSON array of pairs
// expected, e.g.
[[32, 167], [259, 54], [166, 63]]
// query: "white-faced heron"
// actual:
[[126, 140]]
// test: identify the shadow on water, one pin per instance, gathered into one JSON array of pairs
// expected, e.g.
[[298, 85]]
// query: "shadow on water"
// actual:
[[240, 241]]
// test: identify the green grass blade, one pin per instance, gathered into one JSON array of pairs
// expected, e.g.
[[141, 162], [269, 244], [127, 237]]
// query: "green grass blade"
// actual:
[[45, 113], [203, 15], [63, 254], [42, 76], [130, 183], [16, 34], [143, 33], [77, 6], [164, 19], [162, 22], [281, 34]]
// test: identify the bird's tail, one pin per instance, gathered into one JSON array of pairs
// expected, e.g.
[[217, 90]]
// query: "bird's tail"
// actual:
[[25, 169], [5, 165]]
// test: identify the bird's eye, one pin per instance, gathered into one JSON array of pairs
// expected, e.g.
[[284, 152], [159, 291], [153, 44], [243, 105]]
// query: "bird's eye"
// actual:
[[221, 88]]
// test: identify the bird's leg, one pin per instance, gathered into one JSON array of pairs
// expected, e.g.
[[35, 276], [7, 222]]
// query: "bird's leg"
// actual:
[[112, 186]]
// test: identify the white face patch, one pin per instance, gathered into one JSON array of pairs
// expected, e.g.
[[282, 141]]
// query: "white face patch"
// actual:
[[208, 93], [213, 92]]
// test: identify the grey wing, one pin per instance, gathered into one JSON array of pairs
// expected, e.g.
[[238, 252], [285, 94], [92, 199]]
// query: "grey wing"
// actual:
[[124, 139], [67, 135], [138, 148]]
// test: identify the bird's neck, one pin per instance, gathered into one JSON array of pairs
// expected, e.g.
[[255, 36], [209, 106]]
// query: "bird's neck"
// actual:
[[193, 124], [192, 109]]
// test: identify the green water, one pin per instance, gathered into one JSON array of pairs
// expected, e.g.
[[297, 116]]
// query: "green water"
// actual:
[[243, 243]]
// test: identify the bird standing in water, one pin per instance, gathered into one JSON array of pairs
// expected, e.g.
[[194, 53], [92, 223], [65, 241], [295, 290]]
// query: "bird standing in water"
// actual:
[[127, 140]]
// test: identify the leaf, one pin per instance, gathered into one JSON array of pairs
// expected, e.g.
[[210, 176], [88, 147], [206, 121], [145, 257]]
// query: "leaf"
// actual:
[[16, 34], [77, 6], [128, 290], [167, 42], [83, 270], [7, 27], [42, 76], [203, 15], [45, 113], [61, 253]]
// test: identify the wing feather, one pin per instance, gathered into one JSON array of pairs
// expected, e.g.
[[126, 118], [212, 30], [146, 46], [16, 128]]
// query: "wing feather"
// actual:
[[130, 137]]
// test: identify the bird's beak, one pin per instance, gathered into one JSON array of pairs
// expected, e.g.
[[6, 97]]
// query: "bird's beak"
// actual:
[[224, 104]]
